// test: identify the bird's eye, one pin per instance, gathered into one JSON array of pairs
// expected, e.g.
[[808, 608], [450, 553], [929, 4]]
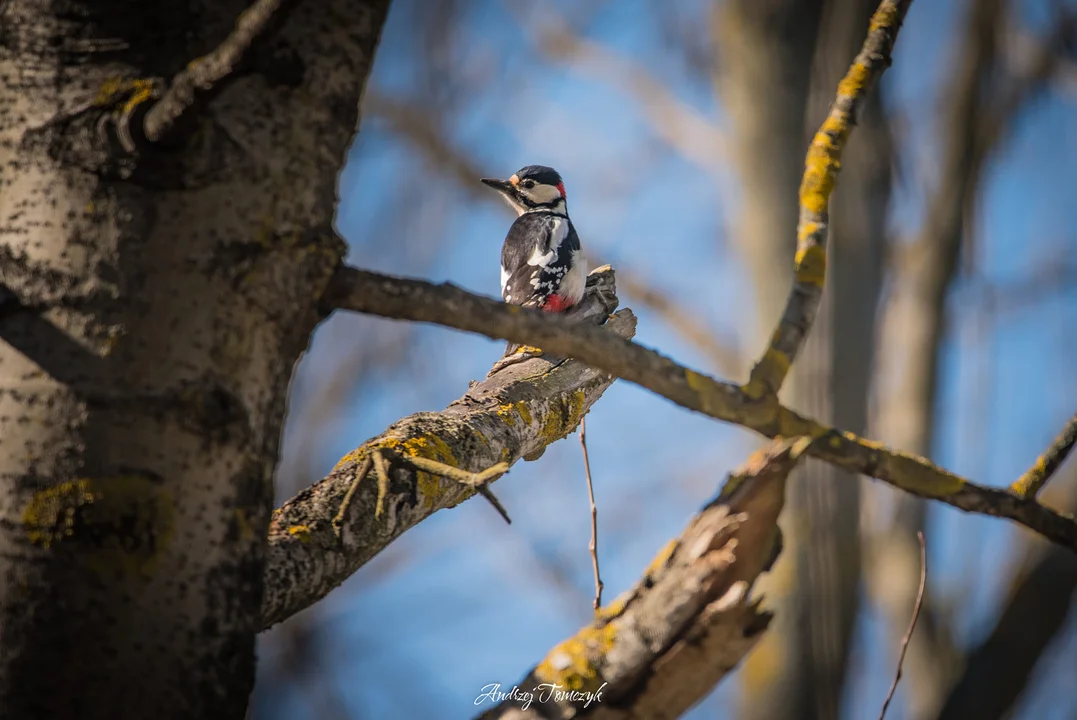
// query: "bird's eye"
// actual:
[[529, 184]]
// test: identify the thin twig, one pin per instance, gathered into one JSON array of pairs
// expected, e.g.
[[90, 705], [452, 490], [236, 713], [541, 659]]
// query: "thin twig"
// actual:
[[205, 74], [478, 480], [1048, 463], [594, 515], [338, 519], [912, 623], [381, 468]]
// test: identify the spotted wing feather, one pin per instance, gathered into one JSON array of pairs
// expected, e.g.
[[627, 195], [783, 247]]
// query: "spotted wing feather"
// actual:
[[535, 259]]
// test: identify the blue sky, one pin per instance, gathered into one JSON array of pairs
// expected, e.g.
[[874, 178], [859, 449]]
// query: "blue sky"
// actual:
[[464, 600]]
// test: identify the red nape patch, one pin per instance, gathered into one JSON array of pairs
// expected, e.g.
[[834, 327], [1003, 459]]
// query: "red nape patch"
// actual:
[[556, 303], [561, 187]]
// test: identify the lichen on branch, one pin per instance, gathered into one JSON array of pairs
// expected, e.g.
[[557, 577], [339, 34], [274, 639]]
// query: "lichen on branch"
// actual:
[[821, 167], [689, 620], [320, 537]]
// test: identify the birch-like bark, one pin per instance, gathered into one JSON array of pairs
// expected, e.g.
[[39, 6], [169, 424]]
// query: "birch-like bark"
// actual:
[[154, 299]]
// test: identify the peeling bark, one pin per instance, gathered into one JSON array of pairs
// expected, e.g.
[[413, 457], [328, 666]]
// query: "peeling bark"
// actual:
[[152, 306], [656, 650]]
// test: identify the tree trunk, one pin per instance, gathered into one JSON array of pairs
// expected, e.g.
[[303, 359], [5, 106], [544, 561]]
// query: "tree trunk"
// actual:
[[767, 71], [153, 304]]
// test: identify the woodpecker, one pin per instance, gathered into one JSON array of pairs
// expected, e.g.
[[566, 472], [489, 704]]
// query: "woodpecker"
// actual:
[[542, 263]]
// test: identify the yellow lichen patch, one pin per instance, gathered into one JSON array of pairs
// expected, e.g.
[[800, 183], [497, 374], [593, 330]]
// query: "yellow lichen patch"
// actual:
[[137, 91], [355, 456], [573, 663], [116, 523], [855, 81], [884, 18], [300, 532], [820, 172], [768, 374], [806, 229], [562, 416], [50, 516], [1033, 480], [510, 411], [432, 488], [708, 393], [524, 411], [613, 609], [660, 560], [811, 265], [507, 413]]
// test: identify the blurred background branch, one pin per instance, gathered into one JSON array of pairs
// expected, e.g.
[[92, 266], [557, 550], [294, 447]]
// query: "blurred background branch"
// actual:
[[706, 232]]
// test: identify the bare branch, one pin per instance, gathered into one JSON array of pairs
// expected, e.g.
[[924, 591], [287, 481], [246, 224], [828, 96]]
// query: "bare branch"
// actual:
[[663, 645], [1048, 463], [445, 304], [912, 624], [593, 547], [820, 174], [324, 534], [204, 75], [478, 480]]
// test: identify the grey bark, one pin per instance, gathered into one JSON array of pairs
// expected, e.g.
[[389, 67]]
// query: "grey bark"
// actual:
[[832, 378], [152, 306], [660, 647], [767, 71], [977, 118], [515, 413], [764, 56]]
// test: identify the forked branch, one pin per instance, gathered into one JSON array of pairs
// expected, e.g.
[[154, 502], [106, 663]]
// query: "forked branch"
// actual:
[[204, 75], [820, 174], [445, 304]]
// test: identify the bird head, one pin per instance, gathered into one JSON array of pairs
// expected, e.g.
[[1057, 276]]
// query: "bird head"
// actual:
[[535, 187]]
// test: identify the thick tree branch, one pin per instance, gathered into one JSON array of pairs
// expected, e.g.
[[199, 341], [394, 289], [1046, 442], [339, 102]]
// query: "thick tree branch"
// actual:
[[445, 304], [1048, 463], [204, 75], [820, 174], [327, 532], [660, 647]]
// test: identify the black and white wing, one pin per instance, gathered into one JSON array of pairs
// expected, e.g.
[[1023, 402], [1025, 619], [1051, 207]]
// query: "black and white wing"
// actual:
[[538, 253]]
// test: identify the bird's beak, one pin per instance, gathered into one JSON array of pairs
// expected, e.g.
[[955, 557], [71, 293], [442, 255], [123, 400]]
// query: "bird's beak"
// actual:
[[502, 186]]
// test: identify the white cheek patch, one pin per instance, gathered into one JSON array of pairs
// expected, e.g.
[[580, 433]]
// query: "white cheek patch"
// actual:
[[544, 194]]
